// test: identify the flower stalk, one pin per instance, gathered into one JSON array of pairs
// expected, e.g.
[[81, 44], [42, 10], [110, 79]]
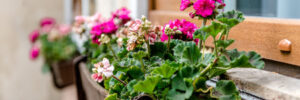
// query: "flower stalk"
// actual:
[[112, 50], [204, 71], [119, 80]]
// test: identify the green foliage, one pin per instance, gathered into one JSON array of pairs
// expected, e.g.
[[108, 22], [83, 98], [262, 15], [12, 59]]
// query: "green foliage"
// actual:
[[176, 70], [231, 18], [165, 71], [158, 49], [200, 34], [139, 55], [214, 29], [228, 90], [58, 50], [147, 85], [187, 52], [181, 89], [112, 97], [242, 59], [224, 43], [135, 73]]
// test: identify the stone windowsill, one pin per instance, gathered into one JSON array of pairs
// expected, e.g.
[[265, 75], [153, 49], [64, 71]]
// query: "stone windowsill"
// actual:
[[268, 85]]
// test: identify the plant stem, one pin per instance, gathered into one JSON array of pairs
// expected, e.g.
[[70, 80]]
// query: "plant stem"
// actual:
[[112, 50], [203, 25], [203, 48], [204, 22], [143, 66], [148, 48], [168, 45], [119, 80], [227, 33], [203, 72], [216, 48]]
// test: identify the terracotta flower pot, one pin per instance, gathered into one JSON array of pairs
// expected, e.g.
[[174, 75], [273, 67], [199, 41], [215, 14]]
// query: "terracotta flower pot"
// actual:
[[63, 73]]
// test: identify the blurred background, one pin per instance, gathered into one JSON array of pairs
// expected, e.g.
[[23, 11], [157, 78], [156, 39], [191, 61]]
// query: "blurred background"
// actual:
[[22, 79]]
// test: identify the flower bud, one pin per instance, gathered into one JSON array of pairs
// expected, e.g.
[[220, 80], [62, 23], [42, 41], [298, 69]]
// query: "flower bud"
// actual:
[[143, 18], [178, 32], [104, 39]]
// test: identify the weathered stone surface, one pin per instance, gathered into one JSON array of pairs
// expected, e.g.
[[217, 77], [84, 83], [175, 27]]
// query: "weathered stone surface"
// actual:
[[269, 85]]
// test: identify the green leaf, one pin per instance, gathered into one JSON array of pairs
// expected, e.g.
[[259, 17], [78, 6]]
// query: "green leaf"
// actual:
[[116, 88], [208, 58], [200, 34], [173, 94], [215, 72], [112, 97], [147, 85], [189, 71], [231, 18], [135, 72], [226, 87], [139, 55], [256, 60], [106, 83], [224, 43], [214, 29], [158, 49], [241, 61], [123, 53], [228, 90], [187, 52], [166, 71], [128, 92], [199, 83], [178, 83]]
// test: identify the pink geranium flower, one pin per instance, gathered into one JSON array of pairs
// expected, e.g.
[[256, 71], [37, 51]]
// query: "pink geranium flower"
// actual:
[[185, 4], [122, 14], [134, 25], [34, 52], [106, 69], [79, 20], [34, 35], [47, 21], [204, 7], [97, 77], [64, 29], [187, 29], [108, 27]]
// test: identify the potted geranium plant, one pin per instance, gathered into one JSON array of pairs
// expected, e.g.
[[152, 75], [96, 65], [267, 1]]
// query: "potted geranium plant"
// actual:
[[144, 61], [53, 41]]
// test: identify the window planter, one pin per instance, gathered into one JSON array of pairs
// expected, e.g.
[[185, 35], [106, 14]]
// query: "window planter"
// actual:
[[62, 73], [87, 88]]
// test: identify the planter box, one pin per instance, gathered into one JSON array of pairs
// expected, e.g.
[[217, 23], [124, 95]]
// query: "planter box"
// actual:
[[87, 88], [264, 84], [63, 73]]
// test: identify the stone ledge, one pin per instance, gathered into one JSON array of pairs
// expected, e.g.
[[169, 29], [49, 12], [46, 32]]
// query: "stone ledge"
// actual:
[[268, 85]]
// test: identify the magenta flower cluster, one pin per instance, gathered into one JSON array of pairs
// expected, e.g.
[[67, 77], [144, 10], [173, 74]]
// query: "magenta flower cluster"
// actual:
[[203, 8], [185, 4], [110, 26], [107, 27], [122, 14], [187, 29], [47, 21]]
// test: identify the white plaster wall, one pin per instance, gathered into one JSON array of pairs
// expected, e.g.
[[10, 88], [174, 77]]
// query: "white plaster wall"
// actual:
[[21, 78]]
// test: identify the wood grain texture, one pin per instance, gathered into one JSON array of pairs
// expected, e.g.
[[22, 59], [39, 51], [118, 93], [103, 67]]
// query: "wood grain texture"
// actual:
[[254, 34]]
